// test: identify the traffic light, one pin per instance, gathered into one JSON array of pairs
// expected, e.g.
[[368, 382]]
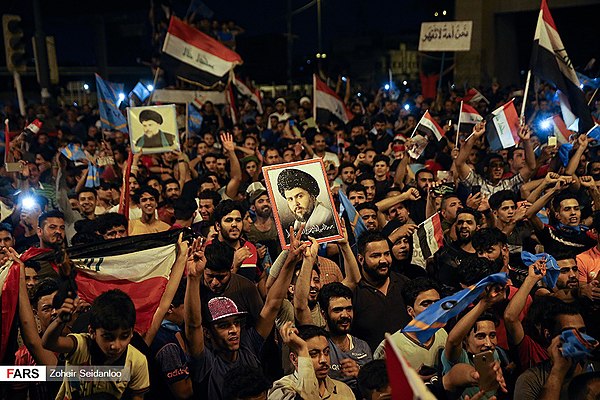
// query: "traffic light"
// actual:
[[14, 43]]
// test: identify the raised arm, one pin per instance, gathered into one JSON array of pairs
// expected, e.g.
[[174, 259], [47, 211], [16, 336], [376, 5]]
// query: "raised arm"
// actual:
[[351, 269], [514, 327], [278, 291], [29, 331], [582, 141], [463, 326], [302, 288], [170, 290], [194, 333], [589, 183], [52, 340], [235, 176], [461, 161], [525, 136]]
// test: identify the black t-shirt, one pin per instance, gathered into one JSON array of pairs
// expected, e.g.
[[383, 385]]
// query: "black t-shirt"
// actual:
[[565, 243]]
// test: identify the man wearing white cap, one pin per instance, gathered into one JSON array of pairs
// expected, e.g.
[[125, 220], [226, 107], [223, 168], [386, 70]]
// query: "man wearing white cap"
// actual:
[[229, 348], [280, 112]]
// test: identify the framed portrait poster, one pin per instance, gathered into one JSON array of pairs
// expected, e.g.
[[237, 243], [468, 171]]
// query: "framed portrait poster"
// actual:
[[153, 129], [300, 194]]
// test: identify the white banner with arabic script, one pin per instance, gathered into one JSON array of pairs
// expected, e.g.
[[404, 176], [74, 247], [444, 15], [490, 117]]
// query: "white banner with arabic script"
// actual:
[[446, 36]]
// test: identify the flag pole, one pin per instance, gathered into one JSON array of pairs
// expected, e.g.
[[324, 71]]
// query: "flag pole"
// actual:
[[187, 122], [418, 123], [458, 126], [525, 93], [592, 98], [153, 86]]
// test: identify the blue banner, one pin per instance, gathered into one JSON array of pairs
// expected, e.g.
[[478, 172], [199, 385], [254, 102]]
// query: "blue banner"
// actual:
[[108, 104], [194, 118], [358, 225], [439, 313]]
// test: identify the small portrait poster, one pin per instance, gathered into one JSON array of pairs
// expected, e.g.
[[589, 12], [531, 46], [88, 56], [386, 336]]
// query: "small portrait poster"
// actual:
[[300, 195], [153, 129]]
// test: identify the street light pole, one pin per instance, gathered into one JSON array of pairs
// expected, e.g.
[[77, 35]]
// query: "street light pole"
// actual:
[[41, 52], [320, 40]]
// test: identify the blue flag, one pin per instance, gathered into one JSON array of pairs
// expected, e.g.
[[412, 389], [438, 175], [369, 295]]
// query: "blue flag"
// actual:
[[140, 91], [73, 152], [552, 269], [577, 346], [439, 313], [594, 133], [194, 118], [93, 176], [108, 95], [593, 83], [358, 225]]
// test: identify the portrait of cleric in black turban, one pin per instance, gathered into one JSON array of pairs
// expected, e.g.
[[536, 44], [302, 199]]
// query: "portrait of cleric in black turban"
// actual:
[[300, 196], [153, 129]]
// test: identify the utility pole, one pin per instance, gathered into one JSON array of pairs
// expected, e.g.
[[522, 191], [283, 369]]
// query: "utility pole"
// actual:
[[41, 52], [290, 44]]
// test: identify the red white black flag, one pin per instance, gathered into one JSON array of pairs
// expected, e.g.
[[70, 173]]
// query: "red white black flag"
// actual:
[[468, 118], [327, 103], [427, 126], [196, 57], [549, 61]]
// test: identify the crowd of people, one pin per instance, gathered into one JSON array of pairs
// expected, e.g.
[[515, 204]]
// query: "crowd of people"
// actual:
[[241, 318]]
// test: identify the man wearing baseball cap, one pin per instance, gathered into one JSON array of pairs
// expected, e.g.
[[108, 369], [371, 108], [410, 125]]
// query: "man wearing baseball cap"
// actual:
[[153, 136], [229, 347]]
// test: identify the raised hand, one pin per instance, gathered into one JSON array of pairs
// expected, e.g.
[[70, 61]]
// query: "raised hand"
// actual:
[[412, 194], [537, 270], [196, 261], [587, 181], [583, 140], [551, 178], [479, 130], [311, 251], [296, 250], [290, 337], [474, 200], [227, 142], [524, 133]]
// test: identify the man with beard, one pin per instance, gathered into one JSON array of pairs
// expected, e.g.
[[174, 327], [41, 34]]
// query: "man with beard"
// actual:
[[368, 182], [51, 235], [228, 217], [448, 208], [447, 260], [147, 198], [348, 353], [88, 200], [264, 230], [300, 190], [493, 182], [492, 243], [378, 292], [171, 192], [357, 194]]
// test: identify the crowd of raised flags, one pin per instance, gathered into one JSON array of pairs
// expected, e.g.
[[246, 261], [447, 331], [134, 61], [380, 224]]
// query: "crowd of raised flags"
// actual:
[[441, 204]]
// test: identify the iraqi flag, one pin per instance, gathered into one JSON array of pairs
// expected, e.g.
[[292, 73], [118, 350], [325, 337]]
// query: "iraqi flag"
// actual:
[[468, 118], [327, 103], [549, 61], [137, 265], [196, 57], [503, 127], [473, 96], [428, 127], [9, 282], [253, 95], [406, 384], [559, 129], [427, 239]]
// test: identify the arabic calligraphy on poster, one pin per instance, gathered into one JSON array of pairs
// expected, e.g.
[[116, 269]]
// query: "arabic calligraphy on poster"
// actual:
[[446, 36]]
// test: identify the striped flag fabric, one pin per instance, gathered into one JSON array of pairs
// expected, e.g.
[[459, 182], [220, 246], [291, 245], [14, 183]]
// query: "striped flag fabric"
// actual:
[[473, 96], [560, 129], [427, 239], [549, 61], [357, 223], [439, 313], [246, 91], [93, 176], [503, 127], [138, 265], [584, 80], [428, 127], [468, 118], [405, 382], [327, 103], [140, 91], [108, 94], [231, 104], [9, 283], [196, 57]]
